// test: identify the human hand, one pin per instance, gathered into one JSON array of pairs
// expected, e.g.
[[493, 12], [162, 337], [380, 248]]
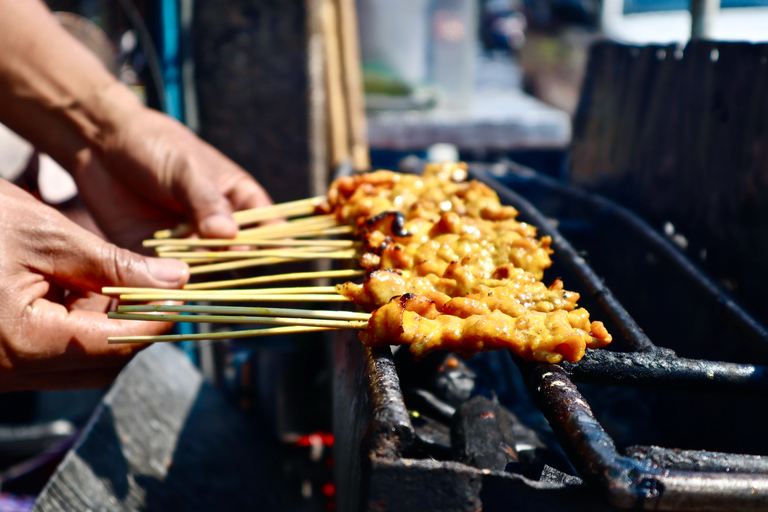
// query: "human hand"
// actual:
[[137, 170], [149, 172], [54, 325]]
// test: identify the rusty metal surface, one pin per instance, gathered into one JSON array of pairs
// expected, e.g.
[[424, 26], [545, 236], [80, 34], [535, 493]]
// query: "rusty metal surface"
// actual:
[[632, 483], [390, 432]]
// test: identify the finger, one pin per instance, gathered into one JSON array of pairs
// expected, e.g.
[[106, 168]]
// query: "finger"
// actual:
[[210, 211], [246, 193], [84, 261], [79, 379], [64, 340]]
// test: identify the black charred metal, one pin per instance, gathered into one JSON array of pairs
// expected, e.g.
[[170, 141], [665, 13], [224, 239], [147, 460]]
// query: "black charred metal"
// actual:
[[641, 483], [661, 368], [699, 460], [478, 436], [645, 478], [390, 432]]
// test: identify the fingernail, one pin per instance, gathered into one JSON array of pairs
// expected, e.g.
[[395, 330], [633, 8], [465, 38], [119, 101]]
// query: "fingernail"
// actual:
[[167, 269], [219, 225]]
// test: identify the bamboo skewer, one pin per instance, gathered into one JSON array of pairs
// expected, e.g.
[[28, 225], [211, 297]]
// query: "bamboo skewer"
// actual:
[[251, 320], [201, 257], [276, 278], [278, 211], [268, 244], [245, 241], [122, 290], [289, 230], [300, 252], [301, 221], [245, 311], [225, 297], [255, 262], [298, 208], [306, 231], [248, 333]]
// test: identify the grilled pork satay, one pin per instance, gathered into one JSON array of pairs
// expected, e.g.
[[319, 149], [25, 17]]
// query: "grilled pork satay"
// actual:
[[393, 242], [425, 325], [450, 268], [520, 287]]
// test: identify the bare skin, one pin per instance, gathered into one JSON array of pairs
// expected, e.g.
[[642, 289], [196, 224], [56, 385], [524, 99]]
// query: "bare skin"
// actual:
[[137, 171]]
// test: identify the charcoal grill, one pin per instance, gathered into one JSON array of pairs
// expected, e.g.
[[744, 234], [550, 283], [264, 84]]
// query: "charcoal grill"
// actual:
[[381, 459]]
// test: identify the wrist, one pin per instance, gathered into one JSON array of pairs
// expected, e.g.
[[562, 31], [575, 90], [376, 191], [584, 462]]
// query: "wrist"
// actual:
[[102, 113]]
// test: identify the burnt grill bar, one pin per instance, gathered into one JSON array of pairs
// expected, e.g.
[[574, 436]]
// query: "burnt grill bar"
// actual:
[[661, 368], [638, 483]]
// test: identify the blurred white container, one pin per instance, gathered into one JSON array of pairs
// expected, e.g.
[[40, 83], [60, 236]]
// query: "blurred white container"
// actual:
[[453, 51], [395, 33]]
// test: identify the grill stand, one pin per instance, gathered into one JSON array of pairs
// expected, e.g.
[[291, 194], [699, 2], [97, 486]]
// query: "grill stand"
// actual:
[[376, 463]]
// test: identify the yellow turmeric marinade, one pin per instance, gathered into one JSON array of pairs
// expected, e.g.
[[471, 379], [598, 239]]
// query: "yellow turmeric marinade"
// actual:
[[449, 268]]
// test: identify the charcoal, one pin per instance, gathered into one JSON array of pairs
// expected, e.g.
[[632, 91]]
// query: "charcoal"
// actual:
[[477, 437]]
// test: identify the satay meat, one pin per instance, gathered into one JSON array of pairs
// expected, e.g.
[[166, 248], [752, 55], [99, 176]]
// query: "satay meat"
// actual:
[[424, 325], [451, 268]]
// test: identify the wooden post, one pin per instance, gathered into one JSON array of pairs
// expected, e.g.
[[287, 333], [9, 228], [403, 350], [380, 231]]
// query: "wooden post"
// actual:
[[353, 84]]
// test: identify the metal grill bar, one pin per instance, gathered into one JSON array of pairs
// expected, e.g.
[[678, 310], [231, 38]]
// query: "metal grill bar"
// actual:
[[635, 483]]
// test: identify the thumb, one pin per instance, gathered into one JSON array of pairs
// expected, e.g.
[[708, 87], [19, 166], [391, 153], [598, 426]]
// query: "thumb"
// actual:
[[89, 263]]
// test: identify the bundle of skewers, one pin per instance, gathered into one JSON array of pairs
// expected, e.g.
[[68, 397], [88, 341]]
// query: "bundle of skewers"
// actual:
[[441, 264]]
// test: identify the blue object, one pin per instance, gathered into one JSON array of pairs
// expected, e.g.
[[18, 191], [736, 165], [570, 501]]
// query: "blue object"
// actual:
[[169, 34]]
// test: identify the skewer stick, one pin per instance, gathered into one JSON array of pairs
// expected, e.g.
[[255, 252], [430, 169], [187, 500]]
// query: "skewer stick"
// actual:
[[248, 333], [285, 229], [288, 209], [308, 231], [278, 211], [245, 311], [301, 221], [200, 257], [245, 241], [228, 297], [250, 320], [124, 290], [300, 253], [256, 262], [276, 278]]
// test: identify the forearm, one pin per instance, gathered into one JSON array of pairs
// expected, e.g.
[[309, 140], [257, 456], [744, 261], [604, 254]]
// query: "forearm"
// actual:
[[53, 91]]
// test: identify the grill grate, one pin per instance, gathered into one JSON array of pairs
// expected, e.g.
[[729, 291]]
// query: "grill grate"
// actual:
[[645, 477]]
